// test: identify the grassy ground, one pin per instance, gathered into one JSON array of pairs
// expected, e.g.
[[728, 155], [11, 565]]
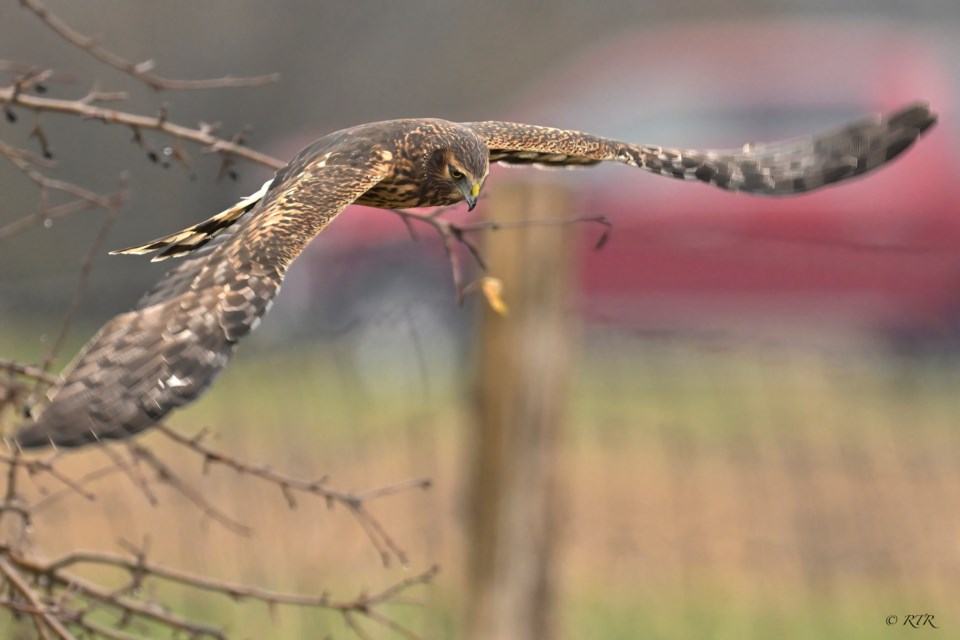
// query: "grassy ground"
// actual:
[[713, 490]]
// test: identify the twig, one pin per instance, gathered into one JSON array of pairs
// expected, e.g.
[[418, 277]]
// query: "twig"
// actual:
[[393, 625], [54, 575], [48, 466], [355, 626], [86, 199], [23, 69], [412, 483], [43, 215], [28, 371], [494, 225], [85, 108], [113, 212], [41, 612], [148, 611], [355, 503], [140, 565], [133, 472], [452, 234], [166, 475], [11, 501], [141, 71], [102, 630], [448, 236], [82, 481], [23, 159]]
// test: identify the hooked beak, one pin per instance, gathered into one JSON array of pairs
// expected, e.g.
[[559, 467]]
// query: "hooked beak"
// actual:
[[470, 194]]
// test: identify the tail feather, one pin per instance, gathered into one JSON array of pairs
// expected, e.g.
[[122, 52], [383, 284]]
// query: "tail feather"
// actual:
[[183, 242]]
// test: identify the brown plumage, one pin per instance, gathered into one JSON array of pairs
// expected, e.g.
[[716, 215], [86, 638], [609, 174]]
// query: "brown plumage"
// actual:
[[169, 348]]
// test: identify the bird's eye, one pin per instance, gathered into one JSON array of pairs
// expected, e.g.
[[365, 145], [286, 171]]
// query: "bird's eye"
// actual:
[[455, 173]]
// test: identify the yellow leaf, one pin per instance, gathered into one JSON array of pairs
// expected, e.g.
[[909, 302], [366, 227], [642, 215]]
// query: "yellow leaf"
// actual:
[[493, 291]]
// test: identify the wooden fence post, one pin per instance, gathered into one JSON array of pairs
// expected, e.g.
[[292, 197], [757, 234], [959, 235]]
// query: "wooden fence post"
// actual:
[[519, 398]]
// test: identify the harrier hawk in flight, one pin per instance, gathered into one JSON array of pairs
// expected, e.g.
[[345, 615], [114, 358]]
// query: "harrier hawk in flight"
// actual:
[[165, 352]]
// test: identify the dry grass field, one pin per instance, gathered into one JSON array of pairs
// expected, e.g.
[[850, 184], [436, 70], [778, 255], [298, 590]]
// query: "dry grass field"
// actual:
[[712, 490]]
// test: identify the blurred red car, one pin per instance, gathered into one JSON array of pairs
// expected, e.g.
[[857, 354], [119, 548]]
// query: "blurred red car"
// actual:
[[882, 252]]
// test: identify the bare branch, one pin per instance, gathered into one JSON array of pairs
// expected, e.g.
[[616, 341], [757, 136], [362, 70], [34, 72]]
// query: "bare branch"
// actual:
[[141, 71], [113, 212], [28, 371], [452, 234], [13, 504], [393, 625], [355, 503], [85, 108], [56, 573], [139, 565], [91, 590], [355, 626], [412, 483], [22, 69], [47, 466], [41, 612], [43, 215], [167, 476], [82, 481], [26, 162]]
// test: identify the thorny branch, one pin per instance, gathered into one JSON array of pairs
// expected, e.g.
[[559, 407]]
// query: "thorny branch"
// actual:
[[138, 567], [289, 486], [58, 600], [44, 618], [88, 109]]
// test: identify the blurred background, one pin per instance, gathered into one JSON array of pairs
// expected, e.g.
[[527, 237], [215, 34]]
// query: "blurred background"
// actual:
[[753, 427]]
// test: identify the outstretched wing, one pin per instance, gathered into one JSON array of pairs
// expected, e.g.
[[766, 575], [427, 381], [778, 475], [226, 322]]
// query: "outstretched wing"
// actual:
[[168, 350], [780, 168]]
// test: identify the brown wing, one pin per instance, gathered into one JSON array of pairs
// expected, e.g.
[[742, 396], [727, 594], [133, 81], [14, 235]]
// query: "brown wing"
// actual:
[[780, 168], [192, 238], [168, 350]]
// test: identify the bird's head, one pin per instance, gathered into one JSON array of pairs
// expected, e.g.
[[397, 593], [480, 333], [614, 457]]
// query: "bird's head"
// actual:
[[459, 168], [465, 182]]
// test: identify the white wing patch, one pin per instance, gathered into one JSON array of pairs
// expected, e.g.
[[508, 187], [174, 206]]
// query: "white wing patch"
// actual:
[[185, 241]]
